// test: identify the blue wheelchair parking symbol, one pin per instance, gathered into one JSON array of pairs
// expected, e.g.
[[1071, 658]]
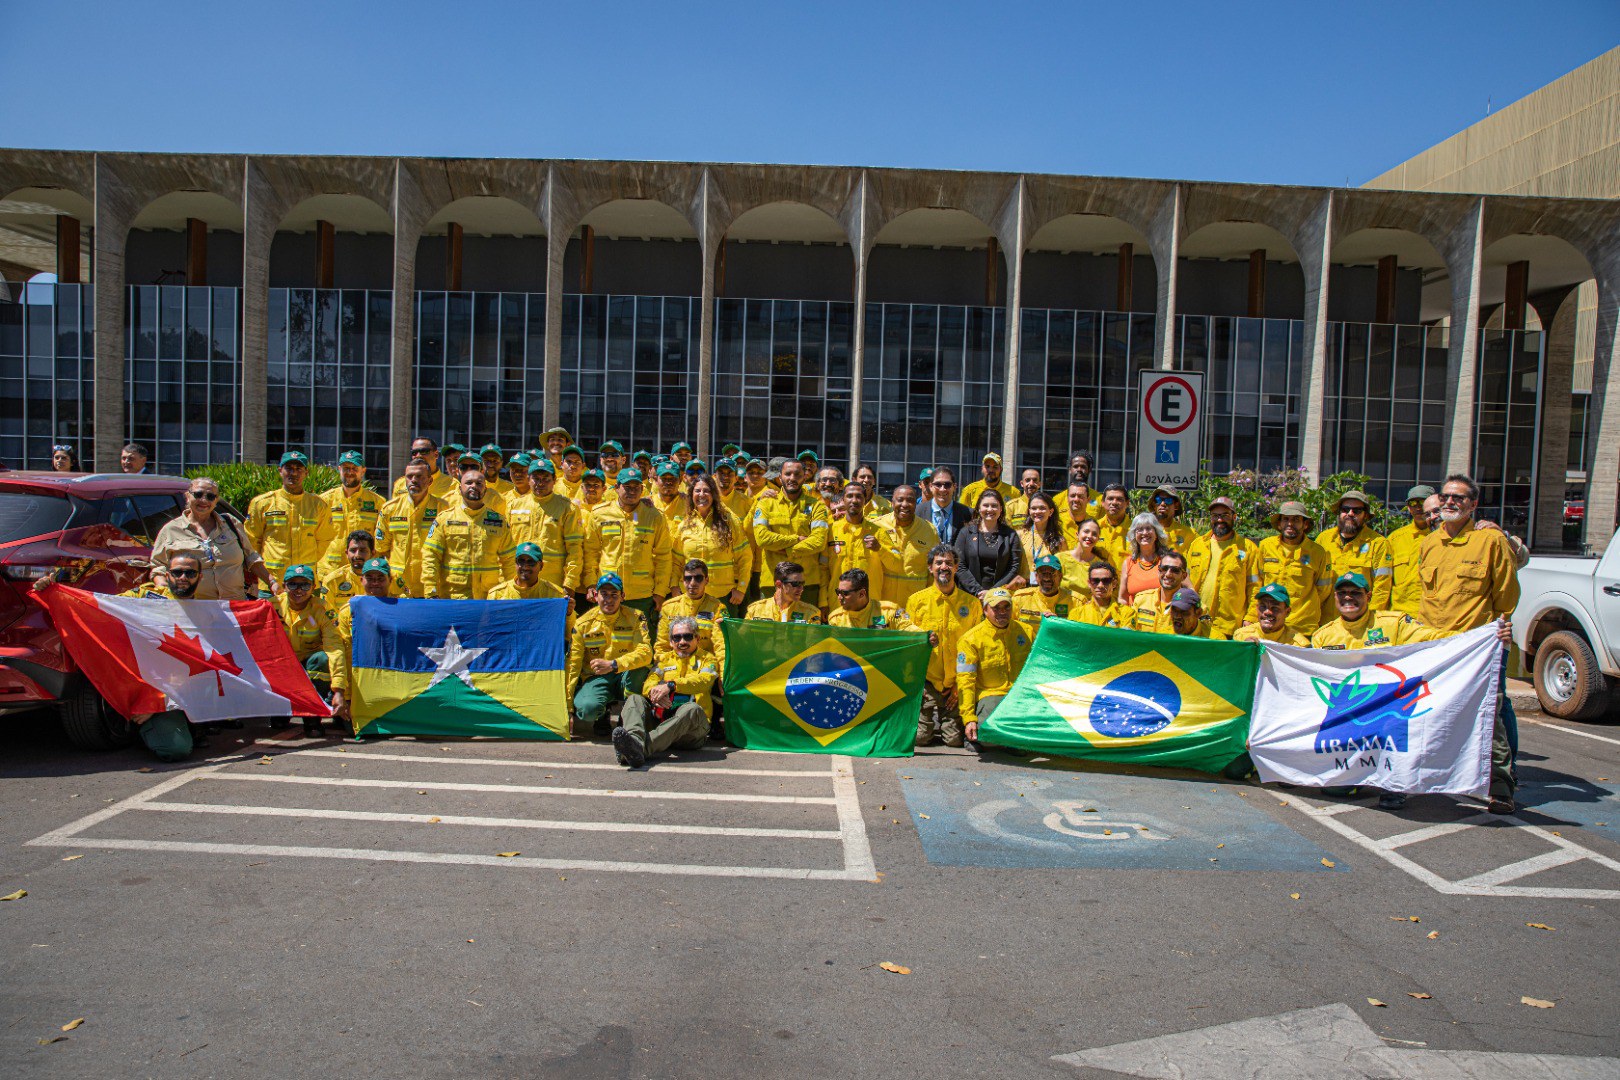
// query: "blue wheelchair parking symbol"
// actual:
[[1168, 452]]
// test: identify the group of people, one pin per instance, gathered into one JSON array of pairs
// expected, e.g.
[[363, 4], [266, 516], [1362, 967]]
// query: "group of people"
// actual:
[[651, 551]]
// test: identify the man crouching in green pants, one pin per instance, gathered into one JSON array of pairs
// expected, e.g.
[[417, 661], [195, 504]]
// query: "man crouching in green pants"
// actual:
[[679, 699], [607, 655]]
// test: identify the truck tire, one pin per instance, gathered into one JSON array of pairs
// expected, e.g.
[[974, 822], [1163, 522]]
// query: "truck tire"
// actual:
[[90, 723], [1568, 680]]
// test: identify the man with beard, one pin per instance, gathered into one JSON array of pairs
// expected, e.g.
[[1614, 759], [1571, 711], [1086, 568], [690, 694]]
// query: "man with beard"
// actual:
[[1076, 509], [857, 609], [1356, 549], [1102, 608], [403, 526], [1152, 606], [353, 506], [1224, 568], [853, 543], [1166, 506], [946, 612], [904, 547], [1300, 565], [991, 478], [792, 525], [1116, 524], [469, 550], [1029, 482]]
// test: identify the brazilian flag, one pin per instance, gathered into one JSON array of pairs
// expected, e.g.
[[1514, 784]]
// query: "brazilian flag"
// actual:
[[1124, 695], [823, 689], [459, 667]]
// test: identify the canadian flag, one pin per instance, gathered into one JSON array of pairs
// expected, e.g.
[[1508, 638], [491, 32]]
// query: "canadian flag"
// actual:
[[215, 659]]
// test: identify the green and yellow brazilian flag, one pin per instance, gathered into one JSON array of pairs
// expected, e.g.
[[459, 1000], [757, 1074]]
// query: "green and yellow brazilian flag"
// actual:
[[1122, 695], [823, 689], [459, 667]]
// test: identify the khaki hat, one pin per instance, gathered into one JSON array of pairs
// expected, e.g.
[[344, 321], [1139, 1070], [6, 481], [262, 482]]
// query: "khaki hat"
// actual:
[[1223, 501], [991, 597], [1358, 496], [1421, 493], [1289, 509]]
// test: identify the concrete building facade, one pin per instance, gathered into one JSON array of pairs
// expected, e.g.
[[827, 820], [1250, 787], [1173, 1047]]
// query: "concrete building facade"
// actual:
[[246, 303]]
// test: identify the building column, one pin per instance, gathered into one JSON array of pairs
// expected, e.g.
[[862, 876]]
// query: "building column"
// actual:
[[859, 231], [260, 218], [1315, 258], [1125, 282], [68, 271], [1603, 423], [113, 216], [1257, 284], [556, 249], [713, 243], [1015, 336], [1556, 309], [1465, 250], [409, 218], [1165, 240], [1384, 290], [452, 257]]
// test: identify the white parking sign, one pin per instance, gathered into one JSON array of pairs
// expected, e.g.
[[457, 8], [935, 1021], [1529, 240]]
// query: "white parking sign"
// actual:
[[1169, 428]]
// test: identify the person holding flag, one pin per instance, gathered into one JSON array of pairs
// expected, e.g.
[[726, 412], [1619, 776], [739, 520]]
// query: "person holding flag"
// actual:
[[946, 613], [313, 634], [403, 526], [784, 604], [1271, 607], [352, 505], [608, 655], [856, 608], [289, 526], [1047, 598], [1100, 608], [988, 659], [528, 582], [1187, 618], [677, 700]]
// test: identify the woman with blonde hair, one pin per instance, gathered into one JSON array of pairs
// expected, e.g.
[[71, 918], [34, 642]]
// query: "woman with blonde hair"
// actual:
[[220, 543], [1140, 573], [714, 534]]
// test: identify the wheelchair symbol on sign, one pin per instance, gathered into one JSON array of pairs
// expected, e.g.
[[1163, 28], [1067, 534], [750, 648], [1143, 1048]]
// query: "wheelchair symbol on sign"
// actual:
[[1168, 452]]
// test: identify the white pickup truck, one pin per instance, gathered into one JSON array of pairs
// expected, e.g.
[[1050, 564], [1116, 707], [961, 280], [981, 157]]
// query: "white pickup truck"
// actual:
[[1567, 625]]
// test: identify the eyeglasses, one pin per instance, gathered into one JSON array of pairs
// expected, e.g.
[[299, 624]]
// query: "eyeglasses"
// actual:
[[1102, 581], [799, 584], [844, 594], [694, 577], [1165, 499], [204, 496], [945, 483], [682, 637], [61, 449], [181, 573], [1451, 496]]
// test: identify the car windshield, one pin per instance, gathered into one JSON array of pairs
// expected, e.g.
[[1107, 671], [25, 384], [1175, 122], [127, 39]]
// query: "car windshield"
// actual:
[[24, 515]]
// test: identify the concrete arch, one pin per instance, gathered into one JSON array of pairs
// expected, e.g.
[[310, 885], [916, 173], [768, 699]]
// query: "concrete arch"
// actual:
[[992, 198], [785, 250], [1363, 288], [736, 191], [938, 254], [577, 190], [787, 220], [1209, 281], [500, 242], [170, 211], [1085, 249]]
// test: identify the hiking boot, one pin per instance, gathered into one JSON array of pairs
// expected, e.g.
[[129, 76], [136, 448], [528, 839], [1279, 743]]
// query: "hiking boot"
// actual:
[[631, 756]]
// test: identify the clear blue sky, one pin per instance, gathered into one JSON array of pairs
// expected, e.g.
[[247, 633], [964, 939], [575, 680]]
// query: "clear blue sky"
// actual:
[[1299, 92]]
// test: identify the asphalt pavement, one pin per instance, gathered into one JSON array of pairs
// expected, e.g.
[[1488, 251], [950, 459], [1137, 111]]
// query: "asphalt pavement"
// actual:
[[288, 907]]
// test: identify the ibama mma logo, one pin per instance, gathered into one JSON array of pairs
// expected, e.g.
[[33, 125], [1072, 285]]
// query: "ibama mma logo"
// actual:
[[1370, 709]]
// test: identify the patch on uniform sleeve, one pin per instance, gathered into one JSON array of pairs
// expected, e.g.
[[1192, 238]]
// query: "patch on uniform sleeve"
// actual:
[[962, 665]]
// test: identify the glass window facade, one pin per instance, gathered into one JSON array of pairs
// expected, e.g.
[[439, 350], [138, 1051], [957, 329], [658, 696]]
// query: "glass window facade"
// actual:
[[480, 367], [1077, 391], [182, 380], [1506, 425], [1384, 409], [782, 380], [1253, 370], [327, 389], [629, 370], [47, 374], [932, 389]]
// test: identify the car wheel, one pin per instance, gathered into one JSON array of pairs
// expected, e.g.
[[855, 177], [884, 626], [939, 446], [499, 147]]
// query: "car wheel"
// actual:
[[1568, 680], [92, 724]]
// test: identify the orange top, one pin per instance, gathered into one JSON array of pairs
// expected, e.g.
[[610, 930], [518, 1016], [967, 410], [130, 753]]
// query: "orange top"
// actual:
[[1138, 579]]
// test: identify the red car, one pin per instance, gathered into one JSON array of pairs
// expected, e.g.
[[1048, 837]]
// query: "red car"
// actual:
[[98, 527]]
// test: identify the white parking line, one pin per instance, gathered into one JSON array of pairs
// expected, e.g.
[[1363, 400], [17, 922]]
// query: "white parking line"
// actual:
[[601, 766], [851, 830], [1572, 731]]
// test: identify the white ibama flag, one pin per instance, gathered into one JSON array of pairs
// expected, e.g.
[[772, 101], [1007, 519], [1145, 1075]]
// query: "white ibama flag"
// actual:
[[215, 659], [1412, 718]]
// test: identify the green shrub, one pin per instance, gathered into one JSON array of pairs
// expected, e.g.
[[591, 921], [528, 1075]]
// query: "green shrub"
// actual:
[[240, 481], [1257, 495]]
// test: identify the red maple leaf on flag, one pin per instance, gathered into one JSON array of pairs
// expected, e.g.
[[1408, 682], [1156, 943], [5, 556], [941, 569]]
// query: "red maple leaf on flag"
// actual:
[[189, 651]]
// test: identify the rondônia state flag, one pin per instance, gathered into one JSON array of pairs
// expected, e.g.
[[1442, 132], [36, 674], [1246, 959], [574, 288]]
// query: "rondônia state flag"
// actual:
[[215, 659]]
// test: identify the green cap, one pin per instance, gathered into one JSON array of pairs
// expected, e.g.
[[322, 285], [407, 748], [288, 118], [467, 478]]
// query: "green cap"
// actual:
[[1049, 562], [612, 446], [490, 448], [1353, 578], [351, 457], [452, 448], [628, 476], [731, 449], [594, 474], [678, 447], [530, 550], [610, 579], [669, 468], [542, 464], [1421, 493], [696, 465], [294, 457], [520, 460], [811, 454], [725, 463], [378, 566], [301, 570], [571, 448], [641, 455], [1277, 593]]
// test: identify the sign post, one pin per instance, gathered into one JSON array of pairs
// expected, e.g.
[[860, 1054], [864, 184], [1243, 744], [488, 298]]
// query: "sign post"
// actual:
[[1169, 428]]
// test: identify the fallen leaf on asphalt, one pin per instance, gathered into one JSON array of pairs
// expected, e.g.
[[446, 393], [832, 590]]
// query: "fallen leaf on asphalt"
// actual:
[[1538, 926], [883, 806], [894, 821], [53, 1039], [896, 968], [1329, 863], [433, 821], [1535, 1003], [70, 858], [421, 793], [1375, 1003], [1089, 810], [1293, 896], [925, 817], [1220, 845], [508, 854], [71, 1024], [147, 768], [1420, 997], [267, 759], [903, 778], [1108, 832], [471, 940], [18, 895], [1434, 935], [1404, 918]]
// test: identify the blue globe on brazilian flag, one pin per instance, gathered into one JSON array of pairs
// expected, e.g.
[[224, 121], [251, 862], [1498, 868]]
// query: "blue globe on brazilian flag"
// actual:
[[1123, 695], [839, 690]]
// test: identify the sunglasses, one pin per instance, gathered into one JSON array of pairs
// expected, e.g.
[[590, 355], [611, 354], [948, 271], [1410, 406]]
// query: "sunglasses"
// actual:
[[204, 496], [1102, 581], [682, 637], [694, 577], [1449, 497], [61, 449], [1158, 499], [844, 594], [181, 573], [793, 584]]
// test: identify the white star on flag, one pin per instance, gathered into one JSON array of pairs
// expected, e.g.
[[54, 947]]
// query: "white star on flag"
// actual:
[[451, 659]]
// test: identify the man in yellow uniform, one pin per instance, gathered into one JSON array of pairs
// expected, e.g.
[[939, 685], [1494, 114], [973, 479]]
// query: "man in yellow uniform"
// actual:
[[1077, 508], [610, 459], [1101, 607], [876, 505], [784, 605], [1187, 617], [573, 471], [1405, 543], [376, 580], [592, 490], [1029, 482], [904, 547], [1271, 607], [337, 587], [694, 602], [1151, 607], [1116, 524], [1300, 565], [1354, 547], [1166, 506], [403, 526], [313, 633], [353, 506], [681, 453], [668, 497], [988, 659], [1047, 598], [854, 542], [495, 485], [733, 496], [792, 525], [527, 581], [946, 612], [560, 528], [441, 478], [1224, 567], [608, 655], [990, 477], [632, 542], [289, 526], [520, 507], [1470, 577], [676, 701], [469, 549], [857, 609]]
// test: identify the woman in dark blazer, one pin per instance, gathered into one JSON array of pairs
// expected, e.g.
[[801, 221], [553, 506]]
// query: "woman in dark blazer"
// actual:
[[987, 549]]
